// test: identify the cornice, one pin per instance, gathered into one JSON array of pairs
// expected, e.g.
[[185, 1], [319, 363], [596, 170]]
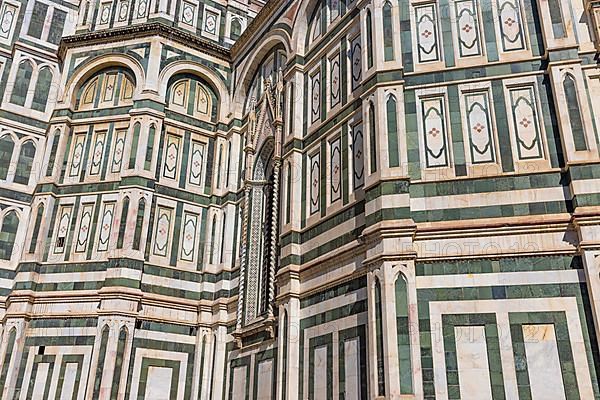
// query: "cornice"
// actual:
[[142, 31]]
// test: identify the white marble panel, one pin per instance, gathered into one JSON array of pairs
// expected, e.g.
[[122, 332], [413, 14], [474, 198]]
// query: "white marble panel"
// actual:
[[320, 373], [158, 384], [40, 381], [473, 367], [69, 383], [265, 380], [352, 369], [238, 391], [543, 364]]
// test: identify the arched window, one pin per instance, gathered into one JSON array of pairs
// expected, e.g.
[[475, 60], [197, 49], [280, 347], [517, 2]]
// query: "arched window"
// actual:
[[114, 392], [8, 234], [213, 239], [108, 88], [101, 359], [42, 89], [227, 171], [7, 145], [556, 17], [577, 128], [388, 32], [274, 61], [150, 148], [25, 163], [218, 166], [189, 95], [36, 229], [369, 23], [223, 225], [392, 131], [139, 223], [403, 332], [379, 339], [288, 193], [134, 145], [22, 82], [53, 150], [372, 138], [123, 223], [236, 29]]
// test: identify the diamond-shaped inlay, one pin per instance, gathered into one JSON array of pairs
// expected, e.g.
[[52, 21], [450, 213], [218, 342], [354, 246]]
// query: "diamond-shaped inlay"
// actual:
[[434, 132]]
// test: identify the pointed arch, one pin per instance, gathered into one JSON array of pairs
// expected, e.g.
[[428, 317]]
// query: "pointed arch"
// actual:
[[574, 111], [369, 22], [7, 146], [388, 32], [392, 131], [213, 240], [372, 137], [42, 89], [36, 228], [121, 344], [123, 223], [223, 227], [150, 147], [25, 163], [137, 127], [139, 224], [8, 234], [22, 83]]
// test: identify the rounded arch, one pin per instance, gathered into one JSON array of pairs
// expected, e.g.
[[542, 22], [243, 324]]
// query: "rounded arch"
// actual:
[[245, 76], [211, 78], [302, 25], [88, 68]]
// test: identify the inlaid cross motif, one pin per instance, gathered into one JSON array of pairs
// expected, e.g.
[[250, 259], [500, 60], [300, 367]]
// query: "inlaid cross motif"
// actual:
[[478, 128], [525, 122], [434, 132]]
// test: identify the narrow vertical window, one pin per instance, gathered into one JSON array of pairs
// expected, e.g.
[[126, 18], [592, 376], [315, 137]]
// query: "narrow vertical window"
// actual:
[[123, 223], [403, 332], [22, 81], [25, 163], [213, 239], [236, 29], [369, 40], [101, 359], [379, 340], [577, 128], [150, 147], [8, 234], [372, 138], [388, 32], [53, 150], [42, 89], [134, 145], [7, 145], [139, 222], [556, 17], [291, 110], [219, 166], [223, 225], [36, 229], [228, 164], [114, 392], [392, 131], [288, 194]]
